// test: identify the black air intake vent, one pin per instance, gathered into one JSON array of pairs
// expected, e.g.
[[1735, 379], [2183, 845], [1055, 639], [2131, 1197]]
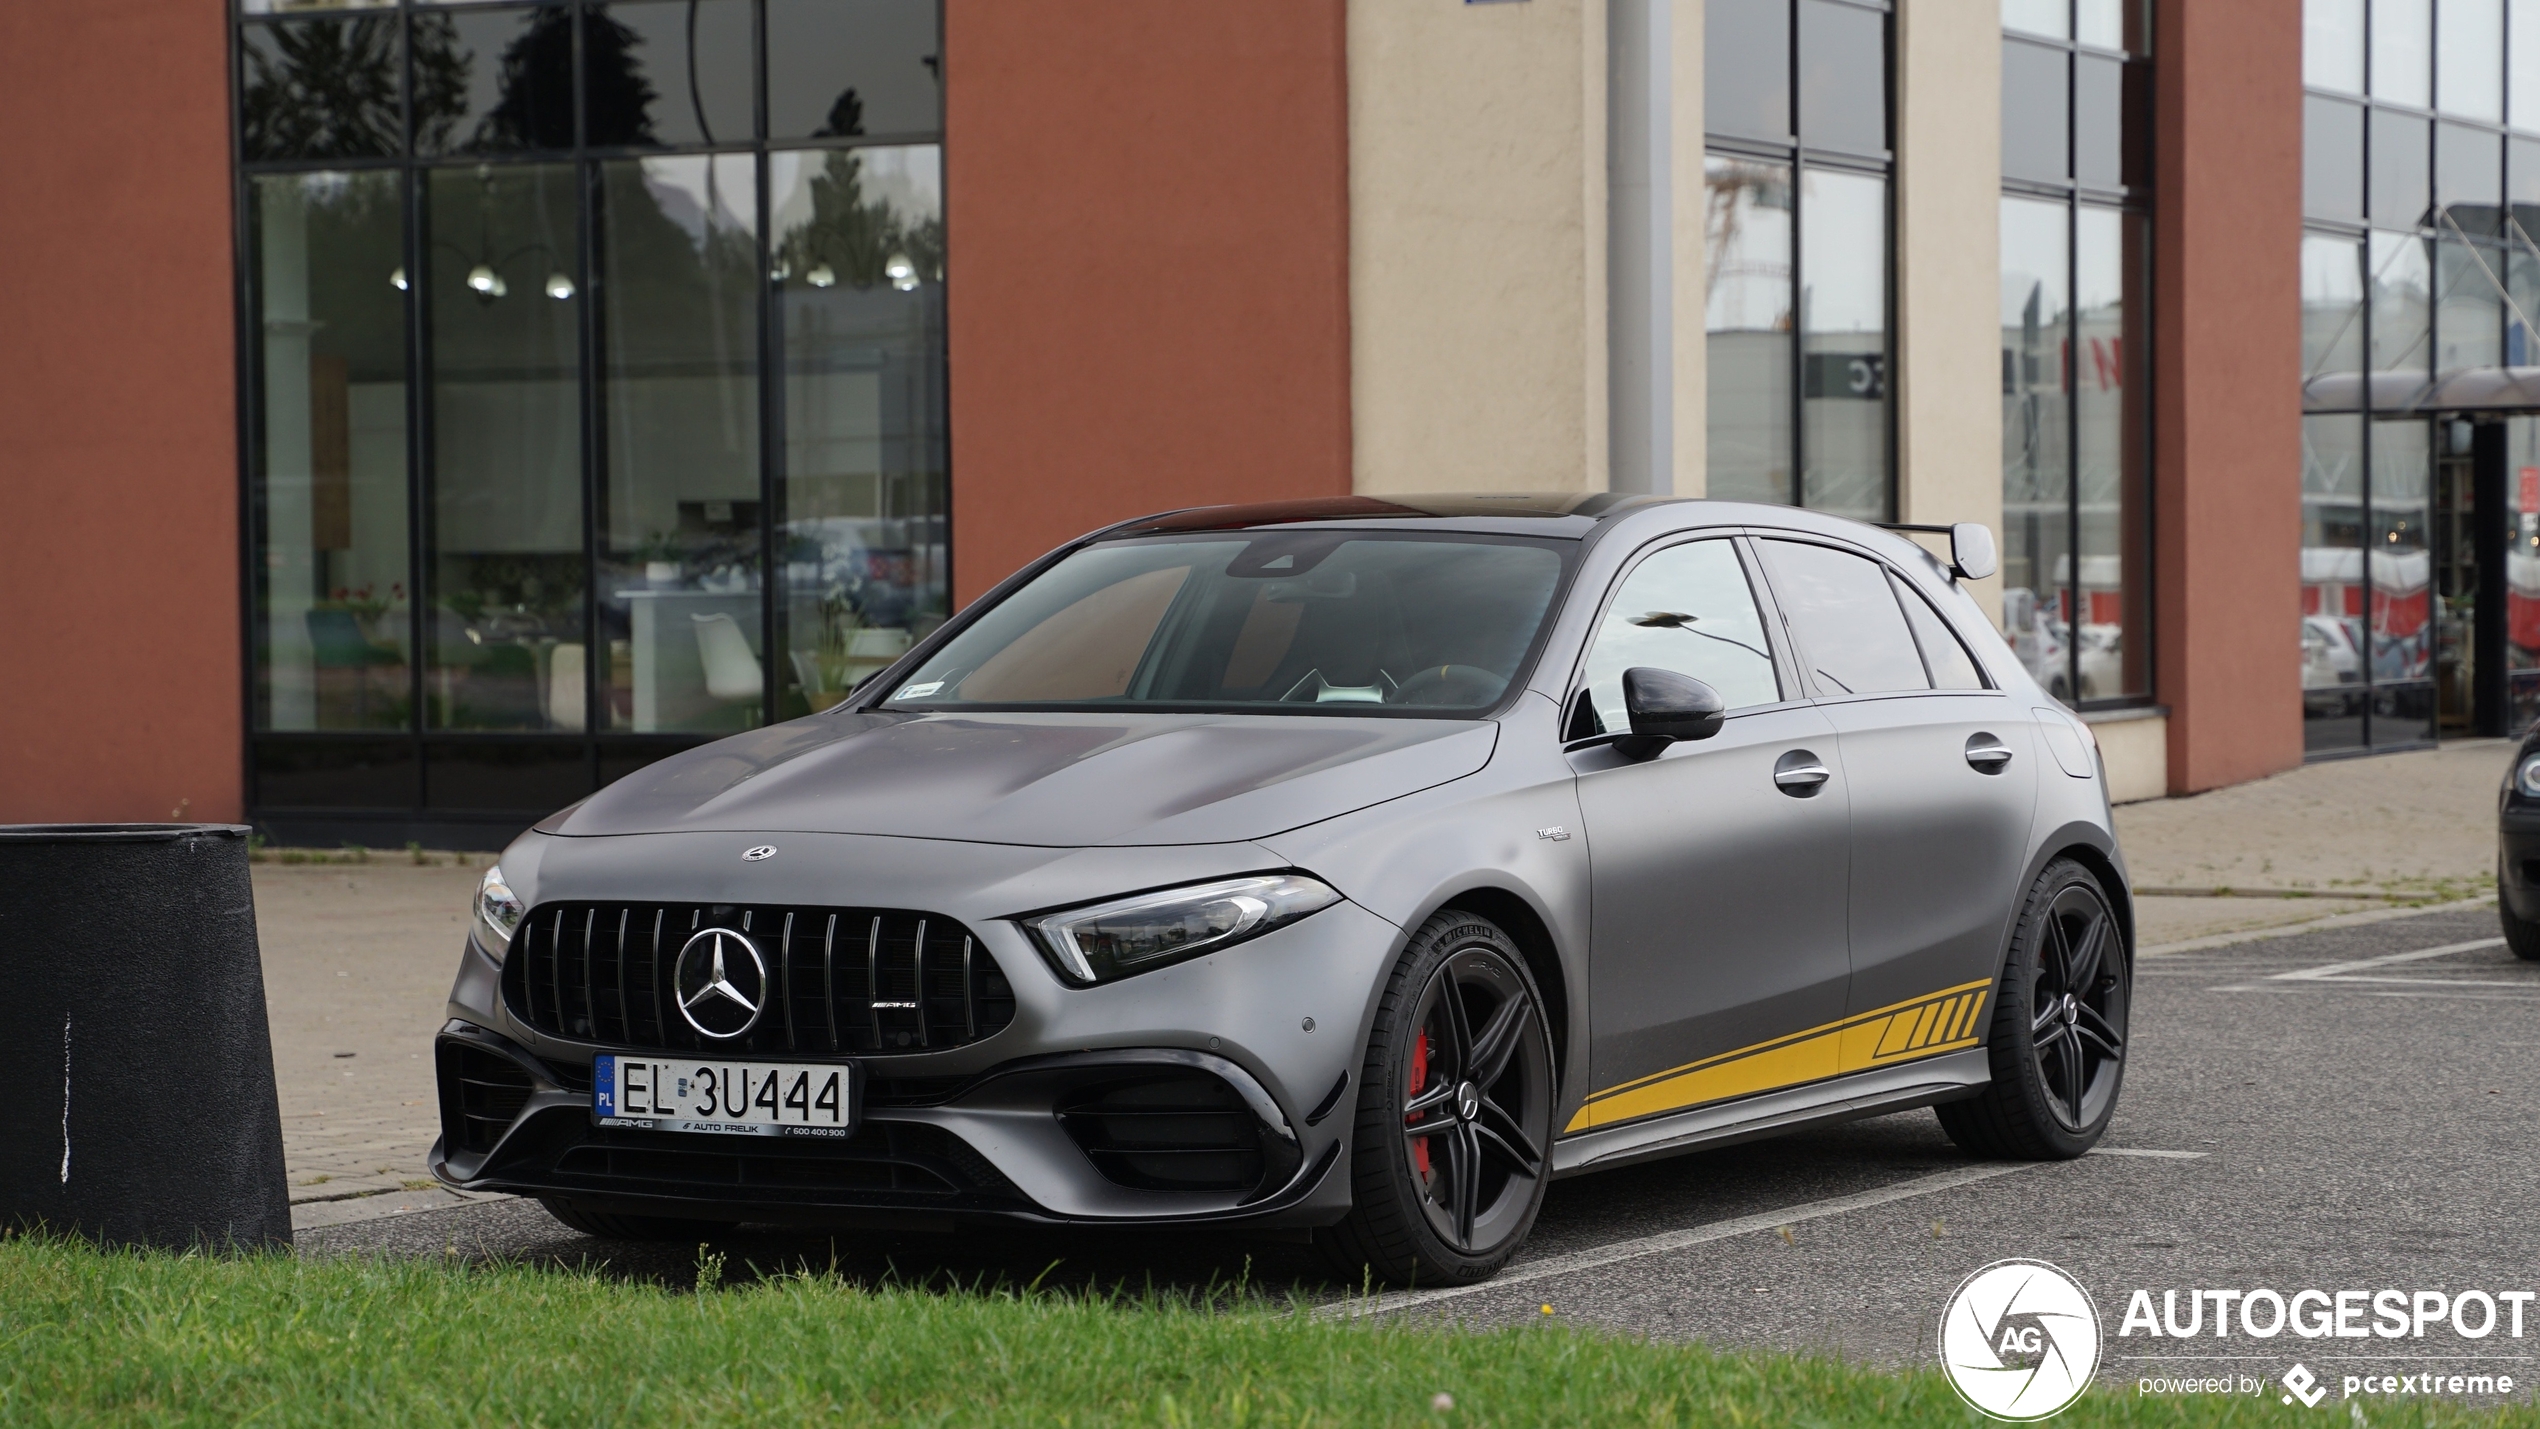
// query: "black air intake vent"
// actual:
[[860, 981], [480, 1095], [1168, 1131]]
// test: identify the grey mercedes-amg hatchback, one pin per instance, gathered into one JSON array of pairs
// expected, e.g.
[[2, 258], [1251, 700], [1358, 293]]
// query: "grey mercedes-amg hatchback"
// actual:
[[1351, 865]]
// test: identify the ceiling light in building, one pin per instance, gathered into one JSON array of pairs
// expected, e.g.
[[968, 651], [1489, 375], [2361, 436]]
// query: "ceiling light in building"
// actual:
[[822, 276], [559, 287], [487, 284], [397, 278], [901, 272]]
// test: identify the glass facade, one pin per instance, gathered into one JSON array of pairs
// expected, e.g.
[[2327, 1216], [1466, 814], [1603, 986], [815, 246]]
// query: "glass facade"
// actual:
[[2076, 347], [1796, 221], [595, 360], [2420, 192]]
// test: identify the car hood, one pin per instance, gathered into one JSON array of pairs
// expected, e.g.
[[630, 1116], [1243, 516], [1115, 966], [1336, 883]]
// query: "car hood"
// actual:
[[1053, 780]]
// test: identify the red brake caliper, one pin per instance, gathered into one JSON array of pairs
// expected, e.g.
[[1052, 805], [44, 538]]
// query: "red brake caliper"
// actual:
[[1419, 1079]]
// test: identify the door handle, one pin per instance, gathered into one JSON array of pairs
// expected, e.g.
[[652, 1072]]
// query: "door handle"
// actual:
[[1988, 754], [1800, 773]]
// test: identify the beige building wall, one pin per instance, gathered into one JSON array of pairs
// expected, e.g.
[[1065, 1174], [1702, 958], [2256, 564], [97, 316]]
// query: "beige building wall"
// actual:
[[1477, 245]]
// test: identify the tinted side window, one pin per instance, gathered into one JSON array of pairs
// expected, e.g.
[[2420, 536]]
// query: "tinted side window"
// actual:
[[1952, 668], [1688, 609], [1844, 617]]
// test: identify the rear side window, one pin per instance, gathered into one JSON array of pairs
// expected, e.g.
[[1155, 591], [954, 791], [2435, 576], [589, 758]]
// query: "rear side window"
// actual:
[[1952, 668], [1845, 620]]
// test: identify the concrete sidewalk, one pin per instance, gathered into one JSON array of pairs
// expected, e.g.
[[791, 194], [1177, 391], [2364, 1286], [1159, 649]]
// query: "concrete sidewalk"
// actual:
[[358, 957]]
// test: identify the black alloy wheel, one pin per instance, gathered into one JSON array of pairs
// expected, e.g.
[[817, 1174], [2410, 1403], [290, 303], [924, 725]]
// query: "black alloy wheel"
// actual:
[[2058, 1038], [1454, 1126]]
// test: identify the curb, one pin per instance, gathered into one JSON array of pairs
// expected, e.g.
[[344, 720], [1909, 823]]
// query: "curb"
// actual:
[[2336, 920]]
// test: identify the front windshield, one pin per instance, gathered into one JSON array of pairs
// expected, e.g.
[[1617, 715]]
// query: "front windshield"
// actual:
[[1292, 621]]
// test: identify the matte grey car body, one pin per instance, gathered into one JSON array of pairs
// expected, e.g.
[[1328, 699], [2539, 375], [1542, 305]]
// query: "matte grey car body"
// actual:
[[1801, 918]]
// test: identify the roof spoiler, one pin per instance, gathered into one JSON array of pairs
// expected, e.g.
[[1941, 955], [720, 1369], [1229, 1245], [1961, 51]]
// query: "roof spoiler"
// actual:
[[1971, 550]]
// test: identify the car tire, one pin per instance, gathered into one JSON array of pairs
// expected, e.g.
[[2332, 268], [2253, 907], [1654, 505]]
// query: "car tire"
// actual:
[[2521, 934], [2057, 1042], [1452, 1141], [617, 1225]]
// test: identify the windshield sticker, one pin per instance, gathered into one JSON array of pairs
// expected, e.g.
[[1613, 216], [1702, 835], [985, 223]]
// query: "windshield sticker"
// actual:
[[919, 691]]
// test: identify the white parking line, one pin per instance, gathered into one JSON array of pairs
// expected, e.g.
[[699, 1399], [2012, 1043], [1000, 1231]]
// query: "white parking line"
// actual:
[[1666, 1241], [2339, 970]]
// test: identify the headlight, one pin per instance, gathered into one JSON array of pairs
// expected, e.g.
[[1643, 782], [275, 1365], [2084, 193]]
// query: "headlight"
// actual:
[[1148, 930], [2527, 777], [498, 912]]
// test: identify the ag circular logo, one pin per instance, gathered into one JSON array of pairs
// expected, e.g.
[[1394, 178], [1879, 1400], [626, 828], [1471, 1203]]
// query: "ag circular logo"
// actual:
[[721, 983], [2019, 1340]]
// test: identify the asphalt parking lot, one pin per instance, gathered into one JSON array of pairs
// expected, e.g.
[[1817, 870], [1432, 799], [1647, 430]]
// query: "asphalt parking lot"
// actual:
[[2291, 1121]]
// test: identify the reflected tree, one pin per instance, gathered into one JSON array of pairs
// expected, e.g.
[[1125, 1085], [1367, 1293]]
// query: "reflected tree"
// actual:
[[320, 89], [856, 238]]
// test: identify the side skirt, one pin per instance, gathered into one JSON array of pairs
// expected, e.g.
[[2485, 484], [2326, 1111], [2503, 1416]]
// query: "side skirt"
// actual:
[[1871, 1093]]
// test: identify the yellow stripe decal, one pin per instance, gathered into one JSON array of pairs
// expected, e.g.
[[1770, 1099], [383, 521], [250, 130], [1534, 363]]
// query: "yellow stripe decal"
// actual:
[[1942, 1021]]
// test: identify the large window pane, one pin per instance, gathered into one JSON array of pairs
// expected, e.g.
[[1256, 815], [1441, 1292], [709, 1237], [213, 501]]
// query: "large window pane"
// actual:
[[2104, 23], [2110, 252], [2403, 51], [681, 518], [2099, 121], [2399, 169], [2469, 312], [506, 633], [493, 81], [2522, 64], [2332, 321], [2036, 461], [2400, 570], [1842, 77], [2036, 112], [320, 89], [2333, 45], [859, 254], [2469, 60], [2051, 18], [668, 72], [2522, 571], [2333, 594], [1747, 317], [2332, 159], [1843, 317], [2469, 178], [1745, 68], [2402, 290], [843, 68], [333, 635]]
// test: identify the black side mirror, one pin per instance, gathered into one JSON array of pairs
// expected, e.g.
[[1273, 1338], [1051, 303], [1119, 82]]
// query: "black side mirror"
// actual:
[[1665, 707]]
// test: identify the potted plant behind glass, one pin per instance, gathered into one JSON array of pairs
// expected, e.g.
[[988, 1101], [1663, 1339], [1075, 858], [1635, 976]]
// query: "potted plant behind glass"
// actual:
[[660, 554]]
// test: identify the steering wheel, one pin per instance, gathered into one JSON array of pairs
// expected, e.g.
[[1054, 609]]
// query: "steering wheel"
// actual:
[[1450, 685]]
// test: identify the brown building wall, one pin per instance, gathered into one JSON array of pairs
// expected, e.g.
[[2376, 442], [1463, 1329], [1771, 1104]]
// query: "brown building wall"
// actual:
[[2227, 351], [1148, 202], [118, 454]]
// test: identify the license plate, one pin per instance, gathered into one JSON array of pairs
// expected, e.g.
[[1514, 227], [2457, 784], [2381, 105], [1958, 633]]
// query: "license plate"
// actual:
[[728, 1098]]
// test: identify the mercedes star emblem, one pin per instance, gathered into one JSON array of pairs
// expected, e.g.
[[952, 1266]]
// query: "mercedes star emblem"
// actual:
[[763, 851], [720, 981]]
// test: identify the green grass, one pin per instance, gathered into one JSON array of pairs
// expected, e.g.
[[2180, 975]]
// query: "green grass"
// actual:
[[88, 1338]]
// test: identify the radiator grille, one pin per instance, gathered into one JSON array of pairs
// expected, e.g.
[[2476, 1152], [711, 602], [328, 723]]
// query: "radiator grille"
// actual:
[[860, 981]]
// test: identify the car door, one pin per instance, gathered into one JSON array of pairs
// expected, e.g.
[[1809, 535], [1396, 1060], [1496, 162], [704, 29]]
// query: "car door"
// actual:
[[1943, 780], [1717, 866]]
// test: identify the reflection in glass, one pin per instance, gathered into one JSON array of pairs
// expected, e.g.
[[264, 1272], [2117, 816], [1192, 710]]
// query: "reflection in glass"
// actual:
[[2400, 627], [2333, 45], [859, 265], [328, 482], [2402, 289], [2469, 59], [2332, 159], [320, 89], [1747, 317], [669, 72], [2036, 112], [2051, 18], [493, 81], [2036, 463], [847, 68], [2099, 121], [2469, 177], [2522, 65], [1745, 70], [2333, 593], [2399, 169], [677, 247], [2469, 315], [2332, 319], [2403, 51], [2110, 421], [1842, 77], [505, 639], [1723, 645], [1843, 316], [2522, 571]]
